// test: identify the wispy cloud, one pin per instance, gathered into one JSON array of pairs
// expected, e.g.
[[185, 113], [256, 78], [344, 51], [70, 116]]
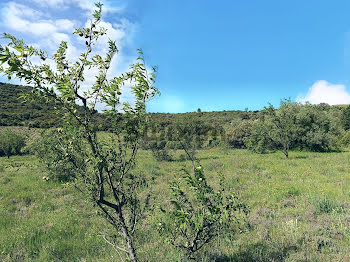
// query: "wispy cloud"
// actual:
[[325, 92], [40, 24]]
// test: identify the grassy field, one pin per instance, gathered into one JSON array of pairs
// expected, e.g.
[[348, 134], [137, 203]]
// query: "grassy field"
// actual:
[[299, 210]]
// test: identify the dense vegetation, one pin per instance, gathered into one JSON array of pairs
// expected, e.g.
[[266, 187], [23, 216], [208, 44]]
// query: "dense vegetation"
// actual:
[[210, 128], [15, 112], [11, 143]]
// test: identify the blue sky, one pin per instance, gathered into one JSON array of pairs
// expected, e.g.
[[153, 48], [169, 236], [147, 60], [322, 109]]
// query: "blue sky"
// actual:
[[213, 55]]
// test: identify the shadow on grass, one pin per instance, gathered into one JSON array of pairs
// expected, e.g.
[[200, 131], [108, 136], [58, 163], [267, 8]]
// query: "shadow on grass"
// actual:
[[258, 252]]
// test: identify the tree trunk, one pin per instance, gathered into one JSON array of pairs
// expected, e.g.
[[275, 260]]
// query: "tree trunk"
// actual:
[[131, 249], [128, 239]]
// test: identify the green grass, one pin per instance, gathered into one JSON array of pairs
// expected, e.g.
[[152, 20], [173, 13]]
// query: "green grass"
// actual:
[[299, 210]]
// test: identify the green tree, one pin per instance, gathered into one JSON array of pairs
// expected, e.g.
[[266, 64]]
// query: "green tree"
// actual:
[[318, 129], [259, 140], [281, 125], [345, 118], [102, 165], [198, 213], [293, 125], [275, 129], [191, 134], [236, 136]]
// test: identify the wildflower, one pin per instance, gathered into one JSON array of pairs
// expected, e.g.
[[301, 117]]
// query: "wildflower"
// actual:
[[200, 179], [291, 195]]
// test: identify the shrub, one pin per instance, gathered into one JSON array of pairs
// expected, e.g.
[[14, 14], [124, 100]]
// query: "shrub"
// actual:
[[11, 143], [345, 118], [325, 205], [318, 130], [294, 125], [236, 137], [62, 164], [259, 140], [345, 139], [198, 213], [160, 151]]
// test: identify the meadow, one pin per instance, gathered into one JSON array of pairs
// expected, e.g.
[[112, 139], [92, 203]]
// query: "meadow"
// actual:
[[299, 209]]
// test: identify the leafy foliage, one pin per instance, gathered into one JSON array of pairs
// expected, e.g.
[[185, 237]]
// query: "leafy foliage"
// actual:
[[345, 118], [102, 166], [63, 159], [293, 125], [259, 140], [11, 143], [14, 112], [160, 151], [198, 212], [236, 137], [318, 129]]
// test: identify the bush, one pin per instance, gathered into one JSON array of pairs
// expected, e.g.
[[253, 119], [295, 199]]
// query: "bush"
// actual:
[[345, 118], [174, 145], [259, 140], [324, 205], [198, 213], [160, 151], [293, 125], [62, 164], [11, 143], [345, 139], [236, 137], [318, 130]]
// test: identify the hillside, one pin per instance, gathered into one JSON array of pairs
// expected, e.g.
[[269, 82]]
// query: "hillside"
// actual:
[[15, 112]]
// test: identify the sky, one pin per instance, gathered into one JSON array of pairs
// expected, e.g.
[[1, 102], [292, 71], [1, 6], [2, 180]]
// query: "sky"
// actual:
[[212, 55]]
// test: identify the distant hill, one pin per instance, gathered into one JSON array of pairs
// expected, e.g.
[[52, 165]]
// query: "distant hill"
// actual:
[[14, 112]]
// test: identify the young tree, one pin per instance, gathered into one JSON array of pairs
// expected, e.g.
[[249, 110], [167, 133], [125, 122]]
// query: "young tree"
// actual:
[[102, 165], [191, 134], [198, 213], [275, 129], [281, 125]]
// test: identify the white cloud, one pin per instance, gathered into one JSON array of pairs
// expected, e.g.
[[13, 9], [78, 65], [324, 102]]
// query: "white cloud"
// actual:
[[89, 6], [66, 25], [45, 30], [24, 11], [50, 3], [325, 92]]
